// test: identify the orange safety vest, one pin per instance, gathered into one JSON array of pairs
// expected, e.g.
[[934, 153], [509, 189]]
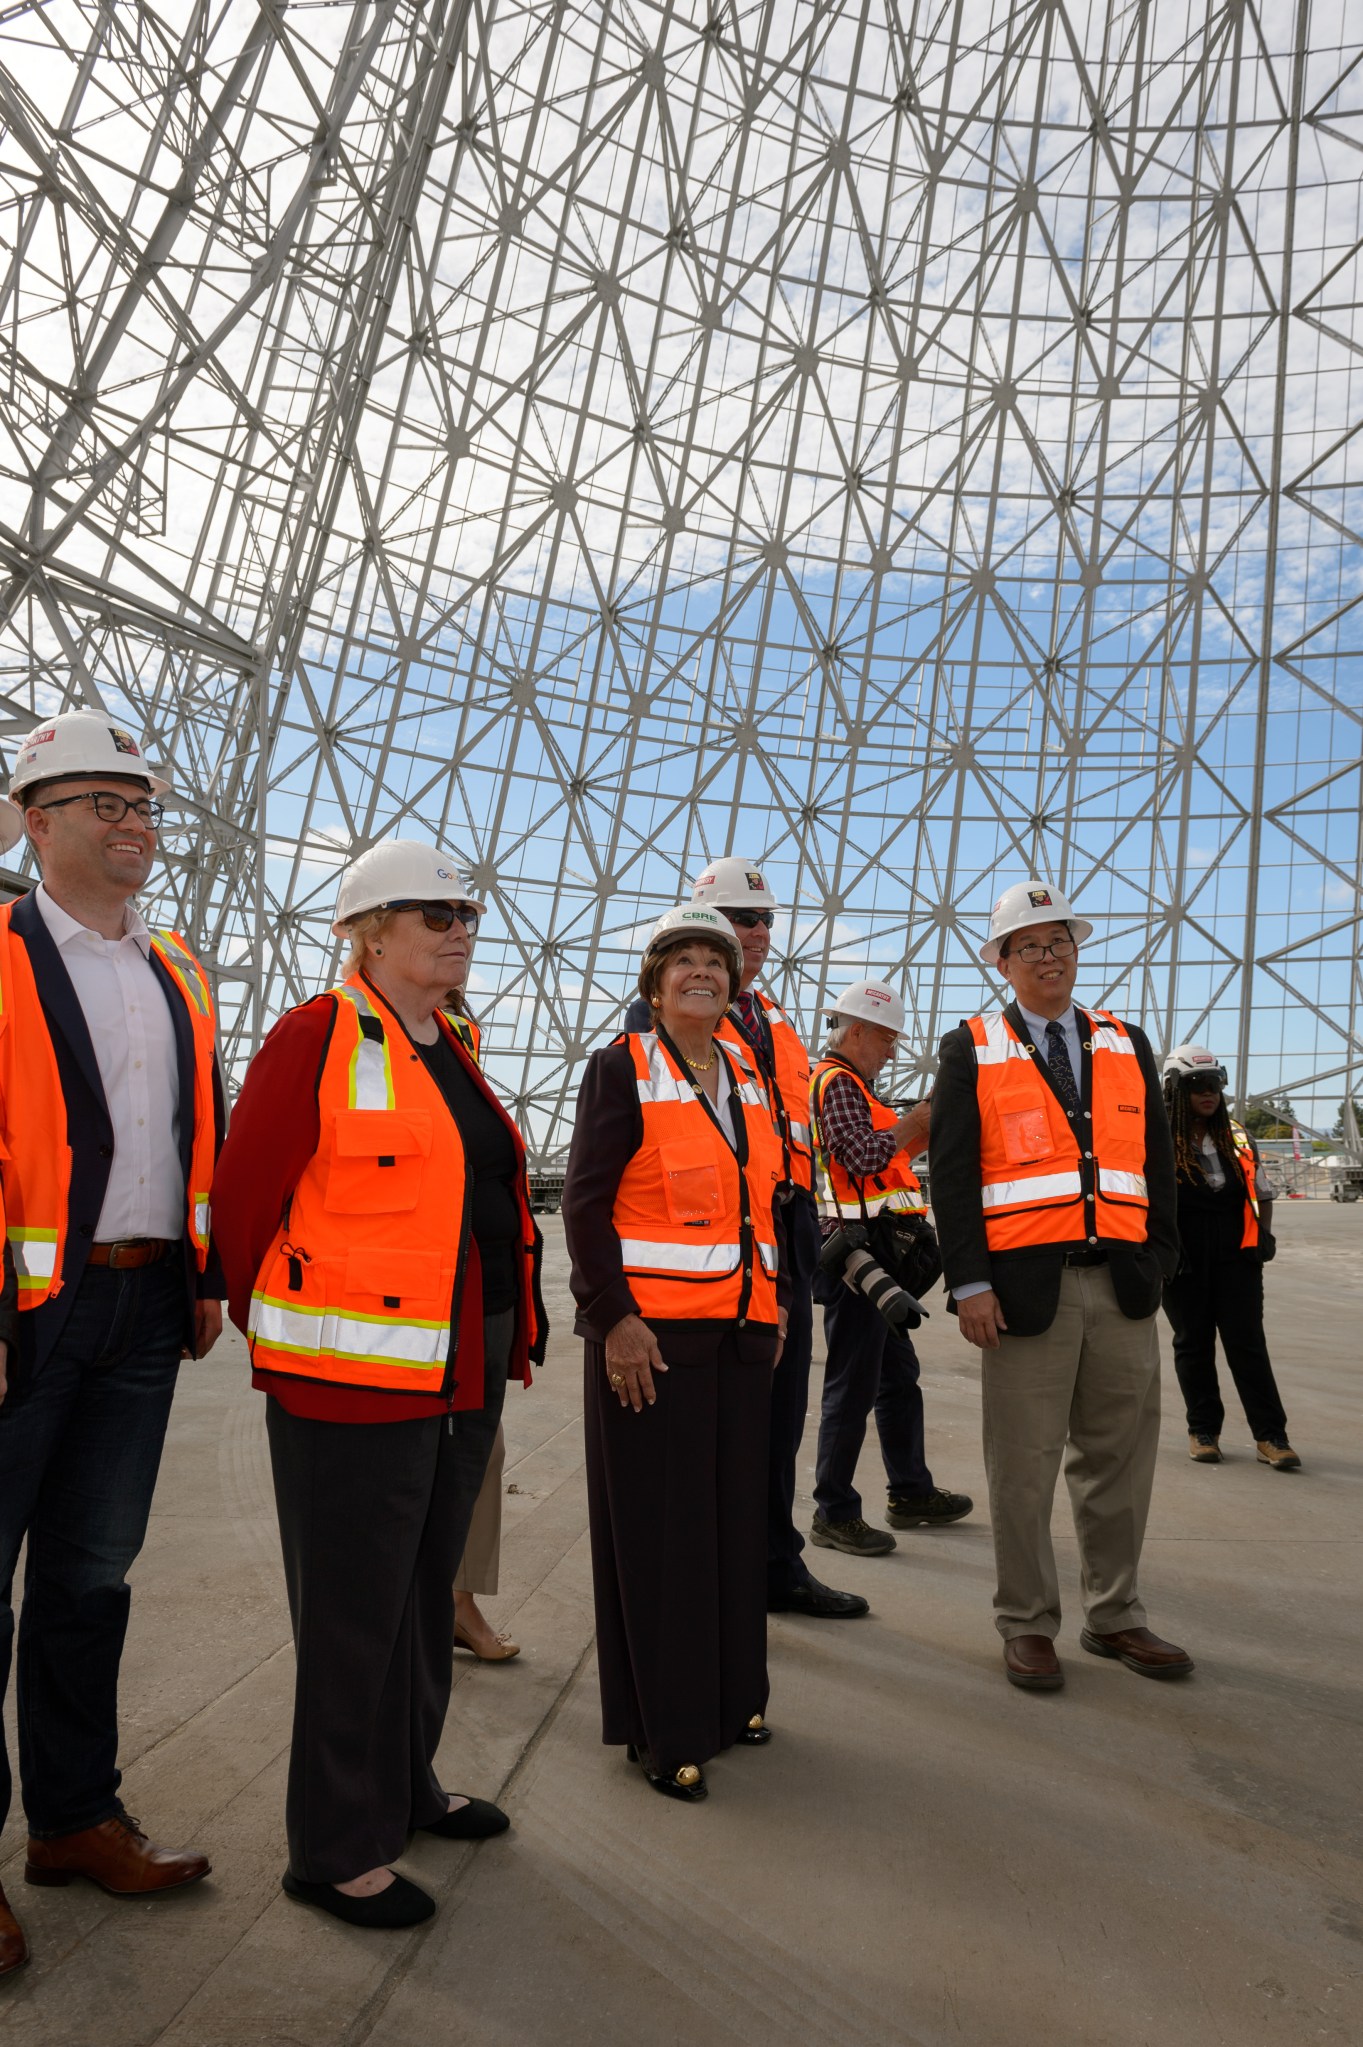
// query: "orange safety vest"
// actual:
[[693, 1216], [1244, 1151], [789, 1089], [842, 1197], [358, 1288], [35, 1153], [1047, 1175]]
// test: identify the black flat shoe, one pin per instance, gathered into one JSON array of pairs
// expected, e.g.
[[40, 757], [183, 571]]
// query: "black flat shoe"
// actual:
[[685, 1783], [818, 1602], [402, 1904], [476, 1821], [757, 1733]]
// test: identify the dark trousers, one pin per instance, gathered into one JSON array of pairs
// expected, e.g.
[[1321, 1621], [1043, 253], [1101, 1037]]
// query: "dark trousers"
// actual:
[[80, 1447], [372, 1522], [790, 1400], [677, 1502], [1224, 1299], [869, 1368]]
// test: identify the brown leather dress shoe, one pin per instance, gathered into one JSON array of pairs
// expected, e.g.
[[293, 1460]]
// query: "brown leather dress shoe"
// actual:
[[1030, 1661], [118, 1857], [13, 1946], [1140, 1651]]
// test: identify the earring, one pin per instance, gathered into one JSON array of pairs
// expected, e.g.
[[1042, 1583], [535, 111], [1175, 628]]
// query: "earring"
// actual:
[[655, 1001], [379, 950]]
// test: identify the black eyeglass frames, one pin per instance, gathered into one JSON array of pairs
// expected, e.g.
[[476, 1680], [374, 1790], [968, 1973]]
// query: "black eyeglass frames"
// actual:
[[748, 920], [440, 916], [110, 808]]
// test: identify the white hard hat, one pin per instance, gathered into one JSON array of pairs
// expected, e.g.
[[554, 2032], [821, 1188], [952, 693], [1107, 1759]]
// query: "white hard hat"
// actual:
[[400, 871], [1193, 1060], [697, 920], [1029, 902], [73, 743], [872, 1002], [733, 884]]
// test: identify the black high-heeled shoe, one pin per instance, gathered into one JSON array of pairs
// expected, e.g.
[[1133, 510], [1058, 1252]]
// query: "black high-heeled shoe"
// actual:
[[757, 1733], [685, 1783]]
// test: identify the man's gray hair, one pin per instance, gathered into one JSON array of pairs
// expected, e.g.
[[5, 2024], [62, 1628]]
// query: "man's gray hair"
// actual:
[[838, 1027]]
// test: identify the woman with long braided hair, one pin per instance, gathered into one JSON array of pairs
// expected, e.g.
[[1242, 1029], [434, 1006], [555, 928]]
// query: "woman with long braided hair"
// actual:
[[1224, 1221]]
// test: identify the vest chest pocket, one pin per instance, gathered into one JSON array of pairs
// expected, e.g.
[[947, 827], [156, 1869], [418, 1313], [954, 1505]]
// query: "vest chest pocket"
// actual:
[[1026, 1135], [378, 1160], [691, 1183]]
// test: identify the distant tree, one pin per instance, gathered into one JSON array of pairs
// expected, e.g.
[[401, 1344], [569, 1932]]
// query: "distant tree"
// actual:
[[1269, 1119]]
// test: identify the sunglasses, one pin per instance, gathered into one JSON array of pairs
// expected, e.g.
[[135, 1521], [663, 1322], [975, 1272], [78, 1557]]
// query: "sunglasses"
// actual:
[[748, 920], [440, 916]]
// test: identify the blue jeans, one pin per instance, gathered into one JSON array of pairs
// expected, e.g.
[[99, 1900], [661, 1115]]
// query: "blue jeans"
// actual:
[[80, 1446], [868, 1368]]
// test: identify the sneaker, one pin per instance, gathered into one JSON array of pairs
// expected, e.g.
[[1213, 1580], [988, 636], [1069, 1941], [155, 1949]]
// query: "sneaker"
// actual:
[[1277, 1451], [927, 1510], [858, 1538], [1204, 1449]]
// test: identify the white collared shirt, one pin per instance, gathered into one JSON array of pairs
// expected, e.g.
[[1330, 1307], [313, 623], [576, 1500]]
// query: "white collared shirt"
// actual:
[[128, 1017]]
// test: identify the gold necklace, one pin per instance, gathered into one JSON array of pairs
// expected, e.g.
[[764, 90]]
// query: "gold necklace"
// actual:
[[700, 1065]]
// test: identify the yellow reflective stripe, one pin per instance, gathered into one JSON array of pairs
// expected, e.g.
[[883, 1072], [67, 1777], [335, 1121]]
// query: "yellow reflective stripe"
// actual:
[[200, 1224], [370, 1081], [35, 1255], [1112, 1182], [1045, 1187], [365, 1339], [180, 960]]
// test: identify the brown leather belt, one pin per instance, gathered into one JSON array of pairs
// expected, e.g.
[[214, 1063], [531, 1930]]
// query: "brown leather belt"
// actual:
[[125, 1253]]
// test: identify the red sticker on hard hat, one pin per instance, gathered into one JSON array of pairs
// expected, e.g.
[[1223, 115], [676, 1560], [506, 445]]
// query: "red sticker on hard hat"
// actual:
[[41, 738], [878, 995], [1039, 898], [123, 741], [756, 882], [706, 878]]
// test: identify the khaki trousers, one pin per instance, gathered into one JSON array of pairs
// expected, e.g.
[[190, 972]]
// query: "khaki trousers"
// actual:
[[482, 1556], [1087, 1388]]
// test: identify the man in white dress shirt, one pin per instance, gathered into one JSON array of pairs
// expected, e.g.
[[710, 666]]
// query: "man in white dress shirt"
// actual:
[[111, 1114]]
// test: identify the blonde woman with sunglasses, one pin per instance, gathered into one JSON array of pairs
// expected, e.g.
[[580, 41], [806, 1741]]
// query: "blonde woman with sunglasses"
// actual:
[[375, 1225]]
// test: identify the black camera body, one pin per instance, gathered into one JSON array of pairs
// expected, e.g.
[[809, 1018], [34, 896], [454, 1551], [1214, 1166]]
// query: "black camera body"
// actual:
[[847, 1255]]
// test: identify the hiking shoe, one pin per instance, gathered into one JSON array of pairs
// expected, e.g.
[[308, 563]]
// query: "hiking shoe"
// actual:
[[1277, 1451], [858, 1538], [927, 1510], [1205, 1449]]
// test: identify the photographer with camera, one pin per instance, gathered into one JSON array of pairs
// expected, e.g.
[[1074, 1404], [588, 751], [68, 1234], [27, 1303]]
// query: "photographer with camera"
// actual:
[[878, 1255]]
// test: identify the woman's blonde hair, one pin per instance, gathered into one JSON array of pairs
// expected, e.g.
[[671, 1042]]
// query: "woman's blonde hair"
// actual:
[[362, 931]]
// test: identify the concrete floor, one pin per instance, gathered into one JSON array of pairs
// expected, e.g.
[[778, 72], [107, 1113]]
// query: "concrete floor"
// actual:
[[924, 1857]]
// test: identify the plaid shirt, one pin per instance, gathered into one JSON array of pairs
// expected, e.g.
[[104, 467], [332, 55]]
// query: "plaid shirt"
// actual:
[[845, 1130]]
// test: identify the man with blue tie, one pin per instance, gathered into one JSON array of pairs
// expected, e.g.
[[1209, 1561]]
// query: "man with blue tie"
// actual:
[[1054, 1197], [111, 1116]]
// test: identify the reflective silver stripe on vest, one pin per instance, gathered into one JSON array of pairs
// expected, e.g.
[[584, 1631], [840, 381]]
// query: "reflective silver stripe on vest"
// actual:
[[1132, 1185], [999, 1042], [1045, 1187], [201, 1218], [800, 1133], [643, 1254], [315, 1332], [371, 1075], [1106, 1039], [662, 1085]]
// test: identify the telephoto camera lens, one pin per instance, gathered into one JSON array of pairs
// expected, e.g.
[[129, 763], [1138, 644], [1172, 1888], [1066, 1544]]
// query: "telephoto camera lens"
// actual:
[[899, 1309]]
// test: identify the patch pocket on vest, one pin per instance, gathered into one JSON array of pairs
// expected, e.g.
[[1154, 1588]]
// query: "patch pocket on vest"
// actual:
[[690, 1182], [377, 1277], [1026, 1136], [378, 1161]]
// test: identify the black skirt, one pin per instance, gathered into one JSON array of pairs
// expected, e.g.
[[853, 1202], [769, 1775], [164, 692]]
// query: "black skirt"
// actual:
[[678, 1503]]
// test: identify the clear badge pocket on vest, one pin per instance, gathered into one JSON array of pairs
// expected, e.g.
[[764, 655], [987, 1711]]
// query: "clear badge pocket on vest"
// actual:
[[691, 1183], [1026, 1135], [378, 1160]]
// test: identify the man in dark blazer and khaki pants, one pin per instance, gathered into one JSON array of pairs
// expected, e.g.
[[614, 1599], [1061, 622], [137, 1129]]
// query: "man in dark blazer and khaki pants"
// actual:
[[1053, 1194]]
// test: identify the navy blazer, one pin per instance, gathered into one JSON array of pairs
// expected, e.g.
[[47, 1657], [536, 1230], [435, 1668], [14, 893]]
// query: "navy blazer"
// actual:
[[90, 1130]]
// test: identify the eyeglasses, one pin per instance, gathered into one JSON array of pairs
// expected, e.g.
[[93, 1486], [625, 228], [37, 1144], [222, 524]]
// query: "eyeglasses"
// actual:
[[440, 916], [112, 809], [1032, 951], [748, 920]]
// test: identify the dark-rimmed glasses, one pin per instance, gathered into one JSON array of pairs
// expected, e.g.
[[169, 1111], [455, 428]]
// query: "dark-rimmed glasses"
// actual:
[[1033, 952], [440, 916], [748, 920], [110, 808]]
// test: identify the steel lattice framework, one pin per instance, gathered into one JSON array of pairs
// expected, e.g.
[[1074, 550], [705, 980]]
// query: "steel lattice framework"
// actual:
[[908, 443]]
